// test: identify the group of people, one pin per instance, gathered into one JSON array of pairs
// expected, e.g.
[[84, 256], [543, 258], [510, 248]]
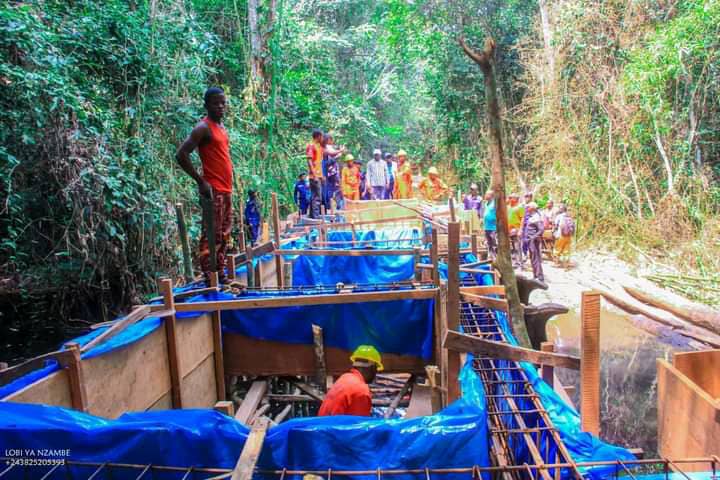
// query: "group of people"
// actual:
[[531, 229], [335, 175]]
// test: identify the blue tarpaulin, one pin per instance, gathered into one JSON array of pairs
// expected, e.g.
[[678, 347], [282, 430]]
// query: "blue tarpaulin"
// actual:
[[380, 269]]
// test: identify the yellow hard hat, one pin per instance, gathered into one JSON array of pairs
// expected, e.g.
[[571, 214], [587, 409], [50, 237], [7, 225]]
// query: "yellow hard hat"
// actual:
[[402, 153], [433, 171], [349, 157], [369, 353]]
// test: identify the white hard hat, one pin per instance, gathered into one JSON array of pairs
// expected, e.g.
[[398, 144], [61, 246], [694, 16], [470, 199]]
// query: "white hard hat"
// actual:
[[377, 152]]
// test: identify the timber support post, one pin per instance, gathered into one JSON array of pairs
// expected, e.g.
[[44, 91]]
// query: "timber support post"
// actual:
[[250, 267], [231, 267], [276, 238], [320, 362], [73, 363], [474, 245], [548, 372], [435, 257], [184, 242], [165, 287], [590, 362], [416, 262], [217, 346], [453, 307]]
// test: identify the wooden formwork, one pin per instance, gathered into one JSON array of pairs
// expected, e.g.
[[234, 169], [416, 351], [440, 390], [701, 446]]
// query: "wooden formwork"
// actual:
[[689, 405]]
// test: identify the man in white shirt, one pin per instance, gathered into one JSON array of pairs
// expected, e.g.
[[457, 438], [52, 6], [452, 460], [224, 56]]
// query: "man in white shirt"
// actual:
[[377, 176]]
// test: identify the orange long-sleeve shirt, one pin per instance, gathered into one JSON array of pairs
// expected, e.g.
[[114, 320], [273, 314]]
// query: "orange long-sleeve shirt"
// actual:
[[433, 189], [350, 395]]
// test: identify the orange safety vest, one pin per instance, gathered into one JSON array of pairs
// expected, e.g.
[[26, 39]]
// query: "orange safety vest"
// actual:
[[433, 190], [350, 182], [350, 395]]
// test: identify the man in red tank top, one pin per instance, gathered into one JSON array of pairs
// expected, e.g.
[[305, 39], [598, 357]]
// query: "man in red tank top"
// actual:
[[211, 139]]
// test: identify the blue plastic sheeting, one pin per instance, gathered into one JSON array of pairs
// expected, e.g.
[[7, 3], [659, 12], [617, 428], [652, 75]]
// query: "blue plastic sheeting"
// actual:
[[403, 327], [582, 446], [456, 437], [328, 270]]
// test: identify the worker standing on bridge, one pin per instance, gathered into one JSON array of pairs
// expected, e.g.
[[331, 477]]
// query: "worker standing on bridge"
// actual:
[[350, 179], [350, 395], [215, 184], [314, 154], [433, 188], [301, 195], [515, 217], [403, 179], [377, 176]]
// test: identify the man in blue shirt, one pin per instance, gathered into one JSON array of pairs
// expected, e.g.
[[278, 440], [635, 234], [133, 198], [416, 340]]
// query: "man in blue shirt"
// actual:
[[302, 194], [252, 217], [490, 224]]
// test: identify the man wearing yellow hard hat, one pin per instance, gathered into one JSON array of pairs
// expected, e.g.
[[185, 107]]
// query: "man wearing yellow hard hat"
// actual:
[[350, 395], [350, 179], [403, 182], [433, 188]]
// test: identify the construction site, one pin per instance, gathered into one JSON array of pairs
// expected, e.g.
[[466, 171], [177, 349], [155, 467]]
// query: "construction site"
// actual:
[[225, 381]]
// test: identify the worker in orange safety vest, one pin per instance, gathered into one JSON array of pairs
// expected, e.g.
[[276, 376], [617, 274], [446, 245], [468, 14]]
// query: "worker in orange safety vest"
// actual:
[[433, 188], [403, 182], [350, 394]]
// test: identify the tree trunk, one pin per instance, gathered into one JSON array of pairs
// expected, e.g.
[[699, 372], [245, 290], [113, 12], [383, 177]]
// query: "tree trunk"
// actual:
[[255, 43], [486, 62], [547, 39]]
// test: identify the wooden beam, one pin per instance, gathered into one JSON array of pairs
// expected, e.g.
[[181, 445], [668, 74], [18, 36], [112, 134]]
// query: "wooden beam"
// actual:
[[217, 347], [548, 372], [590, 354], [252, 400], [255, 252], [460, 342], [434, 257], [483, 290], [225, 406], [416, 262], [396, 401], [245, 467], [136, 315], [73, 364], [420, 402], [474, 244], [276, 237], [487, 302], [231, 267], [165, 287], [319, 396], [453, 307], [325, 299], [320, 363], [370, 252], [10, 374]]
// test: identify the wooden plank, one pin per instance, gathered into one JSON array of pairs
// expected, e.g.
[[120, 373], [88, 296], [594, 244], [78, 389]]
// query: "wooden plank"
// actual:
[[420, 402], [484, 290], [249, 356], [319, 348], [317, 395], [590, 369], [453, 307], [198, 386], [688, 424], [74, 367], [460, 342], [139, 374], [136, 315], [51, 390], [165, 285], [396, 401], [245, 467], [487, 302], [703, 368], [548, 372], [254, 252], [219, 363], [325, 299], [252, 400], [276, 237], [13, 373], [226, 407], [434, 257], [369, 252]]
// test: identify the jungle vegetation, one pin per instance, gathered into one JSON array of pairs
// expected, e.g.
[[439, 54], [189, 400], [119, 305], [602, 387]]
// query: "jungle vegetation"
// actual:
[[612, 106]]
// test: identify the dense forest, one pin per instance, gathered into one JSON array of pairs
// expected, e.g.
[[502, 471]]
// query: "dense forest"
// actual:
[[611, 106]]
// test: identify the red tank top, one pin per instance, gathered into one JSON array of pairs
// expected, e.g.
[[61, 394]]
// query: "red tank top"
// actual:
[[215, 157]]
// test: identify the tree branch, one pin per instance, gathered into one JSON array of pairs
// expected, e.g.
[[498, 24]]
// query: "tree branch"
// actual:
[[482, 59]]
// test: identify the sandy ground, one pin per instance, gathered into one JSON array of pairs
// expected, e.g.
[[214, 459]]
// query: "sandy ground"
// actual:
[[594, 269]]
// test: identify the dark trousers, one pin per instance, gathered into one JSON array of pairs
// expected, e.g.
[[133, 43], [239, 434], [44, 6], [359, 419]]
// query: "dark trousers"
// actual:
[[535, 251], [491, 240], [315, 198], [222, 210]]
